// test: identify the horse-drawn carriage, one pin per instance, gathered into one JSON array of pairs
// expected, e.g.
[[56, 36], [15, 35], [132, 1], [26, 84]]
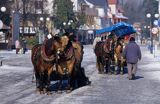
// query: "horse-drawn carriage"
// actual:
[[109, 51], [61, 58]]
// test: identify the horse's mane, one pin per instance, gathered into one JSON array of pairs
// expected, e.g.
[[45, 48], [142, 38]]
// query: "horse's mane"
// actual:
[[56, 38]]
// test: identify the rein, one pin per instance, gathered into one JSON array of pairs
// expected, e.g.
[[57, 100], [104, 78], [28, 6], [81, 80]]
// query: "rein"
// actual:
[[44, 56]]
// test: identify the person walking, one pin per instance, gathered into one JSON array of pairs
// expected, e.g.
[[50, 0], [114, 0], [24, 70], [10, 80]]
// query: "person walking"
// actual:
[[132, 54], [17, 46], [23, 43]]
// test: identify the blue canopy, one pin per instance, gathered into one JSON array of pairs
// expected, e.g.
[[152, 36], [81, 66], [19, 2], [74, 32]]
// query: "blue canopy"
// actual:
[[120, 29]]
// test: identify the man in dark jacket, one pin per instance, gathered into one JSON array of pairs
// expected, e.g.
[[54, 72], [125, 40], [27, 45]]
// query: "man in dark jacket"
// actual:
[[132, 54]]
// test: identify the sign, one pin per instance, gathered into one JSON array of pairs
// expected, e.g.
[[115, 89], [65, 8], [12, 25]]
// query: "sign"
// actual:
[[28, 30], [155, 30], [155, 22]]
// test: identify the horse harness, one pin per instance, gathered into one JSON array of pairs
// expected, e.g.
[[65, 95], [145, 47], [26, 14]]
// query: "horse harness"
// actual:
[[64, 57]]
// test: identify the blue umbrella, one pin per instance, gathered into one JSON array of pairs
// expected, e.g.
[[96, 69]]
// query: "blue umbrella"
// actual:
[[120, 29]]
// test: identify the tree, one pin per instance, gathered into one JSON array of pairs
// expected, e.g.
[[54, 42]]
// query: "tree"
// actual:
[[150, 6], [5, 16], [63, 12]]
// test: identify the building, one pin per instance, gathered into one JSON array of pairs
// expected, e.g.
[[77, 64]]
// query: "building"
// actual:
[[115, 12]]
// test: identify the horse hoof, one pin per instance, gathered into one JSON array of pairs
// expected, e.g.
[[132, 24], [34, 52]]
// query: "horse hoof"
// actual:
[[115, 73], [88, 83], [99, 72], [121, 73], [102, 72], [69, 91], [109, 73], [59, 91], [37, 90], [49, 93], [44, 90], [33, 81], [41, 92]]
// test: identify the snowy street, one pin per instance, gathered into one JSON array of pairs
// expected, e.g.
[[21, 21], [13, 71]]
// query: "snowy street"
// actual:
[[16, 86]]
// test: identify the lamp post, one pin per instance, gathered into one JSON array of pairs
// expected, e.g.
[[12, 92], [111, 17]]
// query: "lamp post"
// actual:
[[151, 36], [67, 25], [3, 9], [43, 21]]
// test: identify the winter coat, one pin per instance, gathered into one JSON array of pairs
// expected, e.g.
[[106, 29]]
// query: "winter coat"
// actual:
[[132, 52], [17, 44]]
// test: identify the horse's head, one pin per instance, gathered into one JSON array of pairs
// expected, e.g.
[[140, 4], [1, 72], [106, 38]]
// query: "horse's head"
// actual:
[[64, 40], [56, 44]]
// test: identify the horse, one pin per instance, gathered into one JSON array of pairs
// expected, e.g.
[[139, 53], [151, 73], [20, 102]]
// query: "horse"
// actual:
[[104, 55], [69, 63], [118, 57], [43, 57]]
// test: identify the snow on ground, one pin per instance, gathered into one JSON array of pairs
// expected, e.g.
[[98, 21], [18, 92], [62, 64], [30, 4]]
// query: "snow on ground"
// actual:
[[16, 86]]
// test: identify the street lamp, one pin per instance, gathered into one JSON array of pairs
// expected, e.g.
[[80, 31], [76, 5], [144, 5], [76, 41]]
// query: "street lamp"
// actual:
[[64, 23], [47, 19], [151, 36], [67, 25], [3, 9], [43, 20]]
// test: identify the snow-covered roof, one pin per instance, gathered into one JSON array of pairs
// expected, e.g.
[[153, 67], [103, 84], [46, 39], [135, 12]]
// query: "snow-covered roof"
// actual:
[[102, 3], [120, 16]]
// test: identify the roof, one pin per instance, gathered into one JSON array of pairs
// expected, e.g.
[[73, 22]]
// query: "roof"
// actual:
[[81, 1], [102, 3], [112, 1], [120, 16]]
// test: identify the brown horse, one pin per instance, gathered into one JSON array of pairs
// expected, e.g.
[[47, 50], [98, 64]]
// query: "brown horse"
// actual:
[[69, 63], [104, 55], [43, 58], [118, 56]]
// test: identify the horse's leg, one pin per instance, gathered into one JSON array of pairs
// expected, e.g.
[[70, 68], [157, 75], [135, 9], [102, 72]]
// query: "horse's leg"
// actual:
[[72, 81], [118, 67], [33, 77], [45, 81], [107, 66], [59, 90], [42, 83], [122, 68], [99, 65], [37, 81], [48, 81], [69, 88]]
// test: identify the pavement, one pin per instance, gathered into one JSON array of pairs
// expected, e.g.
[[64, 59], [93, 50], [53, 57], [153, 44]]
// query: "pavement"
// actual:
[[16, 86]]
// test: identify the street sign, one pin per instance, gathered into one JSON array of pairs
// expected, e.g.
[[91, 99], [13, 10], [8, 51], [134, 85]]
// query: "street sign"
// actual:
[[154, 30], [155, 22]]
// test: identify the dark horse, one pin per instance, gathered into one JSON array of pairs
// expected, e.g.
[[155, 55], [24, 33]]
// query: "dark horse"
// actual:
[[43, 58], [103, 51]]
